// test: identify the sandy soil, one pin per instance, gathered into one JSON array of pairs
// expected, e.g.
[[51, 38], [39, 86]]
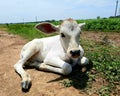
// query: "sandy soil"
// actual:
[[43, 83]]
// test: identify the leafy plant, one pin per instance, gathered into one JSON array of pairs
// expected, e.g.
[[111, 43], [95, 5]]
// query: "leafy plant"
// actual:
[[106, 61], [107, 25]]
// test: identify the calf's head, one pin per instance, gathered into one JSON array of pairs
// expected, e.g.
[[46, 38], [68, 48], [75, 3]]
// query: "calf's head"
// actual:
[[69, 32]]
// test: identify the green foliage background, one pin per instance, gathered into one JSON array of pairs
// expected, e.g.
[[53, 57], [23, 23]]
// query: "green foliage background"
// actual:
[[106, 25]]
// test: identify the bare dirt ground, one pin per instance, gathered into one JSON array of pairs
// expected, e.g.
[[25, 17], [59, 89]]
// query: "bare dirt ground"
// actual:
[[10, 46]]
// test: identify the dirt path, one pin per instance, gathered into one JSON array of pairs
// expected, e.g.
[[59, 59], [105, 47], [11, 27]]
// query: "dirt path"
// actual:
[[10, 46], [112, 38]]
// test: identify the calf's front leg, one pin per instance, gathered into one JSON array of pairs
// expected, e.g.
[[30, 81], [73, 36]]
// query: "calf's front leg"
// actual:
[[55, 65], [84, 61]]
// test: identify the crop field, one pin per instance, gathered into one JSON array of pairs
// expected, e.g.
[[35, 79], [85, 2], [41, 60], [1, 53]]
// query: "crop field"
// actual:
[[103, 53], [104, 25], [101, 25]]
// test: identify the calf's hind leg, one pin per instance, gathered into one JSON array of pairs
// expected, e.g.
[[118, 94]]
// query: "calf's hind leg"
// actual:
[[25, 55]]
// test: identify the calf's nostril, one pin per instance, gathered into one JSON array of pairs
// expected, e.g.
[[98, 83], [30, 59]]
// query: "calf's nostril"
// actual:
[[75, 52], [78, 52]]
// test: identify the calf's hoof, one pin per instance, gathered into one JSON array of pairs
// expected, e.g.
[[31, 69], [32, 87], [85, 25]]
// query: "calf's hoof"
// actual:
[[26, 85]]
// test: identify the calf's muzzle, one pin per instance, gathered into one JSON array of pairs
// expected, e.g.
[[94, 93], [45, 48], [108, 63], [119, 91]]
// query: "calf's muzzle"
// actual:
[[75, 53]]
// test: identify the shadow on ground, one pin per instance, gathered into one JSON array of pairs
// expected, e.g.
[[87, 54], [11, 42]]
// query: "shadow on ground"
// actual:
[[78, 79]]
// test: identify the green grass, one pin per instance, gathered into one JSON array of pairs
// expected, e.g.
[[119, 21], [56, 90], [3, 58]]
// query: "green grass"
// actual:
[[105, 58], [27, 31], [104, 25]]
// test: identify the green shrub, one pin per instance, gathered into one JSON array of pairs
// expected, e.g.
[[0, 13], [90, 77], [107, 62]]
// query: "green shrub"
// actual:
[[107, 25]]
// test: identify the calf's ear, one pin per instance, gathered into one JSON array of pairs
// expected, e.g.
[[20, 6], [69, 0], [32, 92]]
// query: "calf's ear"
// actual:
[[47, 27], [81, 25]]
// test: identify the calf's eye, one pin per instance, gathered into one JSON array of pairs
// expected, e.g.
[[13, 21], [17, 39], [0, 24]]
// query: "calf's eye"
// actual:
[[62, 35]]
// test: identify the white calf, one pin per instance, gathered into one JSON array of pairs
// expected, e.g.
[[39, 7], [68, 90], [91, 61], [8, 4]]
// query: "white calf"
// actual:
[[56, 54]]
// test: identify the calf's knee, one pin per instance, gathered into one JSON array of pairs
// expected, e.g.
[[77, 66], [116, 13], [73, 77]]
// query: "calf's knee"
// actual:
[[84, 60], [67, 69]]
